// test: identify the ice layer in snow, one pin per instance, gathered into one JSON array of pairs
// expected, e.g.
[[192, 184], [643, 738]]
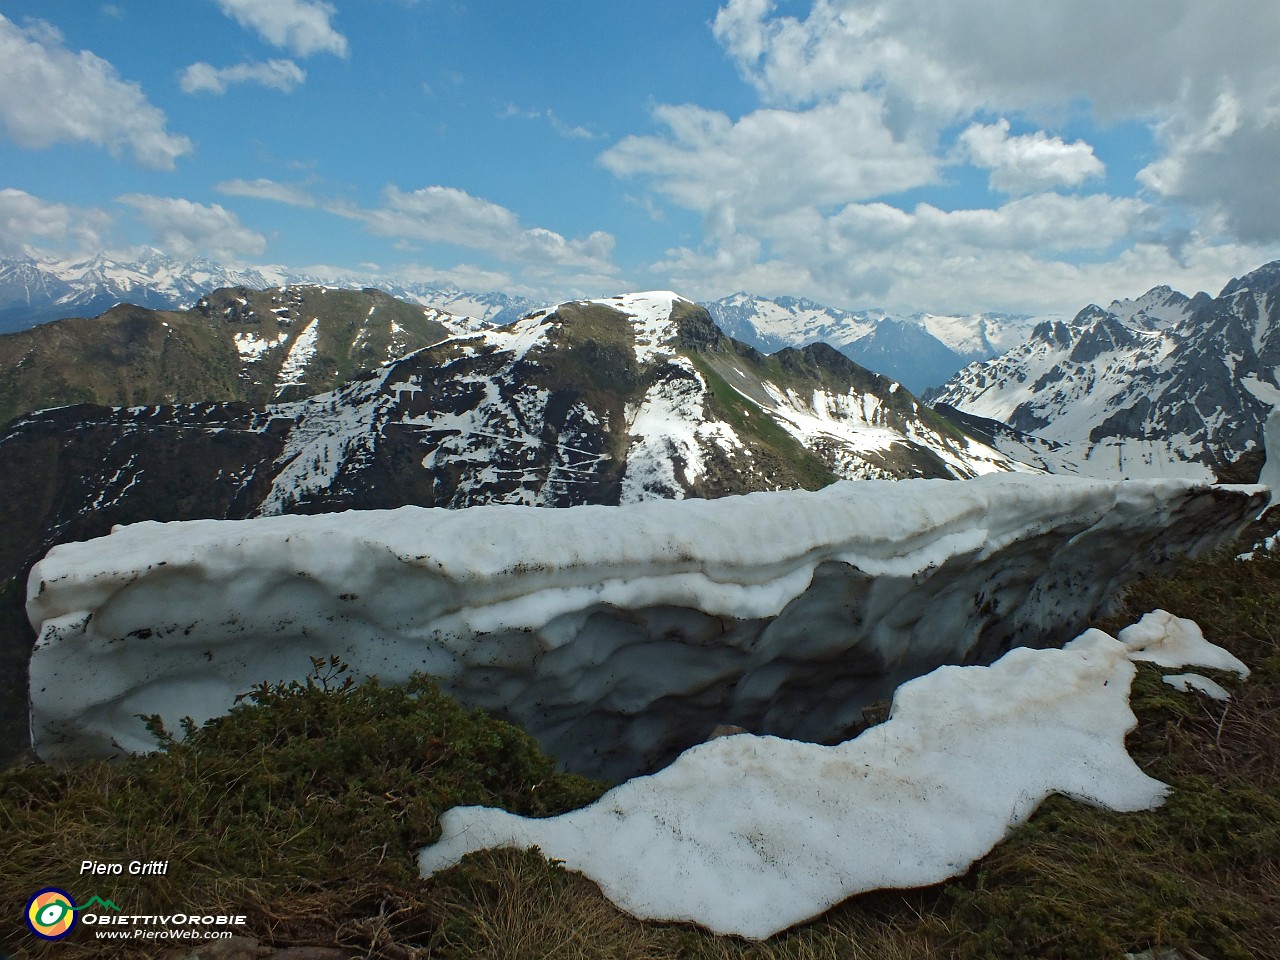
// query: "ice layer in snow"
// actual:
[[749, 835], [617, 636]]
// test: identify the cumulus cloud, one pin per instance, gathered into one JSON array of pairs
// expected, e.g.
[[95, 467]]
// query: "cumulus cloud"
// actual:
[[934, 62], [1224, 163], [1030, 162], [1124, 57], [27, 221], [439, 214], [302, 26], [772, 159], [863, 101], [282, 75], [187, 229], [1013, 257], [49, 95], [263, 189]]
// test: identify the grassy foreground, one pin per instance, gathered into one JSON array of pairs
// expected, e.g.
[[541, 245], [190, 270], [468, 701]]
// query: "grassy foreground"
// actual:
[[302, 810]]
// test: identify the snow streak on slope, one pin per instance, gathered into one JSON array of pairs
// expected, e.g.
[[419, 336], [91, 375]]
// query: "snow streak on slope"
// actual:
[[749, 835], [655, 330], [669, 430], [293, 370], [846, 425], [331, 432], [251, 347]]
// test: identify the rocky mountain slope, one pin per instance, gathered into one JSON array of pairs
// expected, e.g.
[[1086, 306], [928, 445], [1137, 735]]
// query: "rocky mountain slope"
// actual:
[[606, 401], [1162, 384], [234, 344], [920, 351], [35, 291], [592, 402]]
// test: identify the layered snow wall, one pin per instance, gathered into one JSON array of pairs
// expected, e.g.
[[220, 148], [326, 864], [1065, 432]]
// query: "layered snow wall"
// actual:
[[616, 635]]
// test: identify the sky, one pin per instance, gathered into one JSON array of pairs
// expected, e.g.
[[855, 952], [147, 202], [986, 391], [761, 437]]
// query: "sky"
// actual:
[[935, 155]]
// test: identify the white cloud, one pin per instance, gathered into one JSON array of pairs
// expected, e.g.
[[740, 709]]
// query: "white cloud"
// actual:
[[1003, 54], [1015, 257], [1224, 163], [560, 126], [263, 189], [1030, 162], [864, 100], [283, 75], [772, 160], [186, 229], [27, 221], [302, 26], [966, 279], [448, 215], [50, 95], [933, 62]]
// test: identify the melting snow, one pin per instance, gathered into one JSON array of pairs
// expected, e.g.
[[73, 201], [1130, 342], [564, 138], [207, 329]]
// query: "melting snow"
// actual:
[[749, 835], [651, 313], [668, 431], [251, 347], [294, 368], [606, 631], [1186, 682]]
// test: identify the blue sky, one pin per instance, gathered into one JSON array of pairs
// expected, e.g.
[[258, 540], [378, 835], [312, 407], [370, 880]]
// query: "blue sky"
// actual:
[[944, 155]]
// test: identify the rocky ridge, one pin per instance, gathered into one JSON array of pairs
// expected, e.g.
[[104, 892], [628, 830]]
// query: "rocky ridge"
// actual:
[[1158, 385]]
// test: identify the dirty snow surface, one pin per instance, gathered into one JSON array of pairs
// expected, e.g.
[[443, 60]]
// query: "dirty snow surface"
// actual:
[[749, 835]]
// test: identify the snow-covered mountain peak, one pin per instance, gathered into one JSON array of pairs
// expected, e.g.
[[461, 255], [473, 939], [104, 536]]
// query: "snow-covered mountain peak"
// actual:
[[1158, 309], [1161, 383], [654, 318], [1054, 333], [1258, 281]]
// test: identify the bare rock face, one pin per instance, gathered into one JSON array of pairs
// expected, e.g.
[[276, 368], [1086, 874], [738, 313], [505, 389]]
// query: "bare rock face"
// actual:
[[616, 635], [1164, 385]]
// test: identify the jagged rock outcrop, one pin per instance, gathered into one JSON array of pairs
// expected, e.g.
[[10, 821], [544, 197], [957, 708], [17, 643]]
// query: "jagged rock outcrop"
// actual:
[[1162, 385]]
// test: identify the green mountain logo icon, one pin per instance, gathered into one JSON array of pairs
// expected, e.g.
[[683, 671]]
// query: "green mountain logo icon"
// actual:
[[105, 904]]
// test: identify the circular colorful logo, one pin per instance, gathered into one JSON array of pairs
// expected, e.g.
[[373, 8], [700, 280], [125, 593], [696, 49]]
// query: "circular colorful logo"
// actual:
[[51, 914]]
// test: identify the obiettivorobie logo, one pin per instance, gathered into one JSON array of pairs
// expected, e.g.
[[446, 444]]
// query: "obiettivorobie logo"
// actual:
[[51, 913]]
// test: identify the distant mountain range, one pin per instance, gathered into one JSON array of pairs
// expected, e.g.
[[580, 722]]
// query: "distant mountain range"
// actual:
[[1162, 384], [35, 291], [919, 351]]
